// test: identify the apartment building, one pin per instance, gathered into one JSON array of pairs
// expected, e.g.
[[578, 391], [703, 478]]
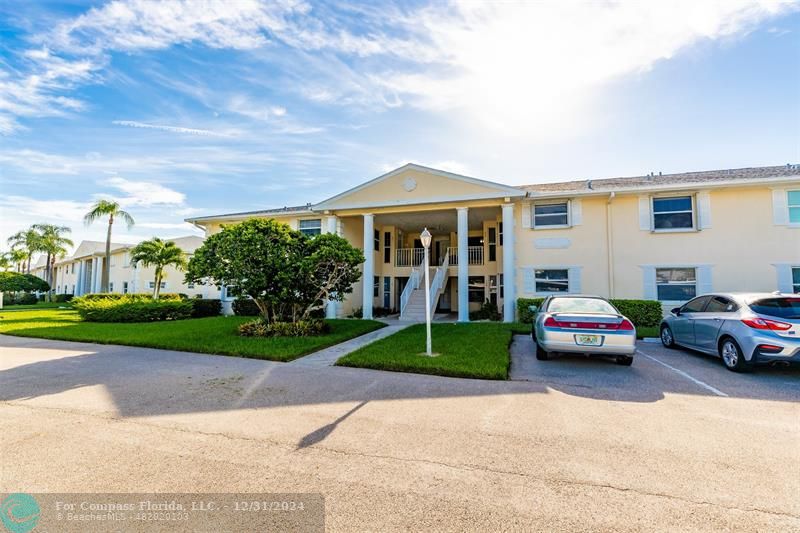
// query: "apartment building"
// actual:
[[81, 272], [658, 237]]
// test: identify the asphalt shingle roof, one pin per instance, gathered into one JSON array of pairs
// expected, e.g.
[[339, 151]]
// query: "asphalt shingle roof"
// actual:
[[685, 178]]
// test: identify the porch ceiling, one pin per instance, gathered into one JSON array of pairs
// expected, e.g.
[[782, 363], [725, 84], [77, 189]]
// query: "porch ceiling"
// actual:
[[443, 221]]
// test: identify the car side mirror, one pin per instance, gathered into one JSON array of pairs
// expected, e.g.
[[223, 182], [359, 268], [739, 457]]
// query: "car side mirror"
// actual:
[[676, 311], [533, 308]]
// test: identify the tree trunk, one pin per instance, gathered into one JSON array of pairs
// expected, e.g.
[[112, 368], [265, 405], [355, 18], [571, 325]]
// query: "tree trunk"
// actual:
[[107, 262], [157, 288], [28, 269], [48, 274]]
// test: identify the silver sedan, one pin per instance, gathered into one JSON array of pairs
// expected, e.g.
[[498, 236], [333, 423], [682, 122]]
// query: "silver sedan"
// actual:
[[742, 329], [583, 324]]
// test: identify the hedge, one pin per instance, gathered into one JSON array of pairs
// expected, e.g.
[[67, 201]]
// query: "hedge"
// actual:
[[19, 298], [131, 308], [245, 307], [202, 307], [63, 298], [141, 296], [643, 313]]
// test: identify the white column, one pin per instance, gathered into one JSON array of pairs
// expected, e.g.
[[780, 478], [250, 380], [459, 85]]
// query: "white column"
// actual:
[[369, 265], [463, 264], [509, 272], [330, 306]]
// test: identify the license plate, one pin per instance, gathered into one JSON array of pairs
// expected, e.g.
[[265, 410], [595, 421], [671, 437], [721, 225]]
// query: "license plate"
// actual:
[[587, 340]]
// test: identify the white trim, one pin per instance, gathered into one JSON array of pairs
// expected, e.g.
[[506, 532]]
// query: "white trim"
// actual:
[[507, 191], [420, 201], [574, 282]]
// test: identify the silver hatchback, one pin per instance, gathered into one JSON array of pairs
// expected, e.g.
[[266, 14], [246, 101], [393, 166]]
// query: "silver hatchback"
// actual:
[[742, 329], [583, 324]]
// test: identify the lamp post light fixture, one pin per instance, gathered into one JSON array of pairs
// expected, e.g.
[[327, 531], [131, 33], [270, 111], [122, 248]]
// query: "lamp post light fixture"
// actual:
[[425, 237]]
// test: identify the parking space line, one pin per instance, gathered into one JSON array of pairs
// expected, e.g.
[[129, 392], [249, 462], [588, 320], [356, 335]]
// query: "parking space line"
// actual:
[[684, 374]]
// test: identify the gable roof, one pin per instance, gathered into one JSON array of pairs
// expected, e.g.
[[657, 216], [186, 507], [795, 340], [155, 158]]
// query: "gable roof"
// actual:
[[652, 181], [296, 210], [501, 189]]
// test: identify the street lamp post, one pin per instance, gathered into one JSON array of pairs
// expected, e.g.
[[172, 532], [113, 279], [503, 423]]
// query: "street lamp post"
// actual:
[[425, 237]]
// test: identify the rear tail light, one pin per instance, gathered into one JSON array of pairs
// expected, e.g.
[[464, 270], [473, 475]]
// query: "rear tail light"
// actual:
[[626, 325], [767, 324], [551, 322]]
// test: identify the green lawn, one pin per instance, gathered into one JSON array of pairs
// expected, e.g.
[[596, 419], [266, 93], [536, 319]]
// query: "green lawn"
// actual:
[[40, 305], [475, 350], [216, 335], [652, 331]]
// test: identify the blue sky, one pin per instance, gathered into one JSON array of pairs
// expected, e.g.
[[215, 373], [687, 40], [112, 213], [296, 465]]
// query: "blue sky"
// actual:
[[186, 107]]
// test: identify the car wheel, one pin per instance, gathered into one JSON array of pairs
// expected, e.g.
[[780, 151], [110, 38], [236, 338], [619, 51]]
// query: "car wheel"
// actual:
[[541, 354], [732, 356], [624, 360], [667, 338]]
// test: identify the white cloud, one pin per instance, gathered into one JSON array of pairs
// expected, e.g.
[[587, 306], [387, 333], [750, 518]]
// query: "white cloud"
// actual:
[[171, 129], [143, 193], [533, 67]]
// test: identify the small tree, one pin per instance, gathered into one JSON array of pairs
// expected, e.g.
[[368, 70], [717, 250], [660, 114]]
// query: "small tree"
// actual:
[[159, 254], [286, 274], [26, 242], [54, 244], [112, 210], [16, 282]]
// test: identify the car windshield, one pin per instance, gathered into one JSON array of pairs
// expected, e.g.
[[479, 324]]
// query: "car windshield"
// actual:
[[580, 305], [782, 307]]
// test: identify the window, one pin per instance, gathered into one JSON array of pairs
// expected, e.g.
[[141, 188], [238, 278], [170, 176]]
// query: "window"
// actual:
[[676, 284], [152, 284], [376, 286], [500, 232], [190, 285], [794, 207], [492, 244], [501, 285], [73, 289], [673, 212], [73, 268], [796, 279], [551, 215], [696, 306], [124, 287], [311, 227], [780, 307], [718, 304], [493, 289], [111, 286], [387, 292], [377, 243], [387, 247], [580, 305], [555, 280], [477, 287]]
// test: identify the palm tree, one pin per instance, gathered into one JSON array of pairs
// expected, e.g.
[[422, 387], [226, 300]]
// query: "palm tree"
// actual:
[[27, 241], [54, 244], [112, 210], [13, 259], [158, 253]]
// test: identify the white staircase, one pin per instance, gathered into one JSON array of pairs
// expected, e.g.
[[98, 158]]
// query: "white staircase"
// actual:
[[412, 301]]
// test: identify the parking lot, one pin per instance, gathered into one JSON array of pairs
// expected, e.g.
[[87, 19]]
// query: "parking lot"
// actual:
[[675, 442]]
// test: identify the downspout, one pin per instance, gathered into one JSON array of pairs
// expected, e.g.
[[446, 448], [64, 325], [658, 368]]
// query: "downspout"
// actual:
[[609, 246]]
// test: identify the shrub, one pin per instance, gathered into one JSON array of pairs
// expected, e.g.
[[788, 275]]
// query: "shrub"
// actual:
[[120, 296], [202, 307], [357, 313], [643, 313], [488, 311], [301, 328], [245, 307], [25, 298], [63, 298], [131, 308]]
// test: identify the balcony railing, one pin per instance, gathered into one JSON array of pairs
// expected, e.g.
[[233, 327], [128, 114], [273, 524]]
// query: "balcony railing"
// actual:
[[409, 257], [474, 255]]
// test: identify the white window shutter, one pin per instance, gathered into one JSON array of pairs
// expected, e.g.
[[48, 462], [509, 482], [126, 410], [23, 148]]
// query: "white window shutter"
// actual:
[[526, 215], [575, 285], [644, 213], [704, 285], [576, 216], [780, 207], [703, 210], [784, 278], [649, 290]]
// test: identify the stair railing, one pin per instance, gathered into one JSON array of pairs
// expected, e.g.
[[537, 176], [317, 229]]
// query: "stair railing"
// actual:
[[413, 284]]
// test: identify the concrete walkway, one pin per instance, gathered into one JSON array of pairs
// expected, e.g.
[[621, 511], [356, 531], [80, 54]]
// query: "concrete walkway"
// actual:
[[329, 356]]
